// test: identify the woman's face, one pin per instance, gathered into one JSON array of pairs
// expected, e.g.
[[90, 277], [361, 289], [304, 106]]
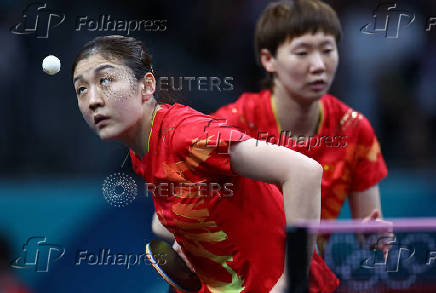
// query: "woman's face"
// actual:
[[306, 66], [108, 95]]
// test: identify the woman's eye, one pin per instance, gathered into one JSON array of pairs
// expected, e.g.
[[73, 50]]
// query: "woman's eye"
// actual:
[[80, 90], [301, 53], [328, 51], [105, 80]]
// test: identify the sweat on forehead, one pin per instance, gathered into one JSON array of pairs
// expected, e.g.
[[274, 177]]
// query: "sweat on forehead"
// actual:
[[96, 63]]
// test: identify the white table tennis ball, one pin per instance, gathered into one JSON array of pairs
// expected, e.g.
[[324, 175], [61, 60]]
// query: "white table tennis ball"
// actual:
[[51, 64]]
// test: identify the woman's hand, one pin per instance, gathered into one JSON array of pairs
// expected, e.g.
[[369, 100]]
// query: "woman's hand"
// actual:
[[280, 286], [385, 238]]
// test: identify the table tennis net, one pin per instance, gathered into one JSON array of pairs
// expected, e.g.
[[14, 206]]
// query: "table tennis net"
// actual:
[[353, 251]]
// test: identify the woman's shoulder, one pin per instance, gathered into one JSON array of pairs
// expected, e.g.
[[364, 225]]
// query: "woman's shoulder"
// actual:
[[183, 121], [334, 104], [339, 115]]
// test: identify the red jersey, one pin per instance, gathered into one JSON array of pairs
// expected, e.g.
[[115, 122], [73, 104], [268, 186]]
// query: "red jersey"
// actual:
[[232, 235], [345, 144]]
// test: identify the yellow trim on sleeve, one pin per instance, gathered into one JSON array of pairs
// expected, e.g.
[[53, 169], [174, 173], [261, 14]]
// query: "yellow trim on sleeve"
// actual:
[[151, 127]]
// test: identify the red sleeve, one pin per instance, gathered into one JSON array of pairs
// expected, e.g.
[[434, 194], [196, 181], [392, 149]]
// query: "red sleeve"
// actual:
[[204, 142], [369, 165], [322, 279]]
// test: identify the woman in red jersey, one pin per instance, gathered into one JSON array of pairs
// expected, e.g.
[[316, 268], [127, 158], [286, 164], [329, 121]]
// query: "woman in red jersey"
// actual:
[[209, 180], [296, 43]]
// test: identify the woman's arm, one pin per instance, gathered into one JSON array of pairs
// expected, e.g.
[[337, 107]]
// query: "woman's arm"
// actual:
[[299, 176], [363, 204], [366, 205]]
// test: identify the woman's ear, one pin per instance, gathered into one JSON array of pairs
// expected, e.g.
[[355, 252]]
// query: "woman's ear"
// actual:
[[267, 60], [148, 86]]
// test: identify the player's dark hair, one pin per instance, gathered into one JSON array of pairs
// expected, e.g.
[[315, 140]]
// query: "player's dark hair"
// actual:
[[131, 52], [285, 20]]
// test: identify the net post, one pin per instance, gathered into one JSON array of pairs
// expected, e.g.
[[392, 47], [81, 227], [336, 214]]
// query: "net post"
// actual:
[[297, 259]]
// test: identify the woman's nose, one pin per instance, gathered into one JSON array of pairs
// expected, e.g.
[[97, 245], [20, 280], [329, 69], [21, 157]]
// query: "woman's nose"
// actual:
[[317, 63], [95, 99]]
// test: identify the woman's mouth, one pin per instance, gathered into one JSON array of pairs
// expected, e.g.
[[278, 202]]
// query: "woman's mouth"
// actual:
[[318, 85], [99, 120]]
